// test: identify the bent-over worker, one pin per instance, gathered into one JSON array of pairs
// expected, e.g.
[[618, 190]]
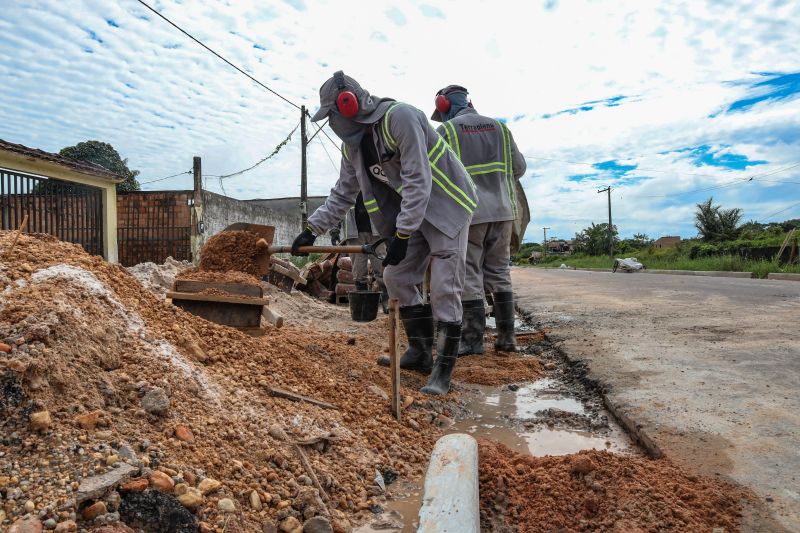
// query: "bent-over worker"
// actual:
[[490, 155], [415, 189]]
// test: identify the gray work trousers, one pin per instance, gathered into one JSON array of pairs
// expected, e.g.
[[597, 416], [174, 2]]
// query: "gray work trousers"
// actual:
[[447, 258], [360, 268], [488, 256]]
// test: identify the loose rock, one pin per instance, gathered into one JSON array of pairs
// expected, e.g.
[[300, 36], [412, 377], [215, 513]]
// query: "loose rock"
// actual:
[[155, 401], [226, 505], [40, 421], [318, 524]]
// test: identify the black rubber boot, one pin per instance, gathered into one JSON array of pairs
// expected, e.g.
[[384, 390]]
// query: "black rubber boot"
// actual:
[[418, 323], [473, 325], [504, 318], [449, 335]]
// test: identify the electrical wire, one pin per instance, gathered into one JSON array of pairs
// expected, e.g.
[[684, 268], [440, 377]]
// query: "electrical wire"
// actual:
[[165, 178], [266, 158], [218, 55], [779, 212], [321, 142]]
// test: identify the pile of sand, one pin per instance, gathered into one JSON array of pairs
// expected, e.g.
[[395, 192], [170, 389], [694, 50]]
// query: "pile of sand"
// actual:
[[159, 278], [598, 491], [95, 370]]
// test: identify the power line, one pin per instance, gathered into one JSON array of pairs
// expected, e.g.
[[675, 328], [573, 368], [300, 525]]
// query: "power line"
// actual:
[[321, 142], [754, 177], [218, 55], [165, 178], [779, 212], [270, 156]]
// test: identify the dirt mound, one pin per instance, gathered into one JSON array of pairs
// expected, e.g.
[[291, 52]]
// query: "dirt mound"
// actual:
[[100, 372], [598, 491], [230, 250], [231, 276], [494, 368], [159, 278]]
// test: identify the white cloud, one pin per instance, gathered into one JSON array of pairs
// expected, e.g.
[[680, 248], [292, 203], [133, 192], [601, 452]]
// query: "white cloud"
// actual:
[[160, 99]]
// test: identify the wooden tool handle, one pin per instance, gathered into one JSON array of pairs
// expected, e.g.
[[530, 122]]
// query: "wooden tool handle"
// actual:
[[319, 249]]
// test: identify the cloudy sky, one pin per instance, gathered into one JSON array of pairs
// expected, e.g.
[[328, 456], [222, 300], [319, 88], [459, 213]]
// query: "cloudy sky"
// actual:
[[667, 102]]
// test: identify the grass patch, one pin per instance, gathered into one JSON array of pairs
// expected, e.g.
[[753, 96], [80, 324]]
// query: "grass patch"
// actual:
[[656, 260]]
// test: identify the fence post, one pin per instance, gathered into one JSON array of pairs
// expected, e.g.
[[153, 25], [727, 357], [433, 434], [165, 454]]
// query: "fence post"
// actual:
[[198, 231]]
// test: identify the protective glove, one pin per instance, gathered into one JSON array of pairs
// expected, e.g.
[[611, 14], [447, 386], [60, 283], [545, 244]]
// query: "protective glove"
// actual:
[[396, 251], [336, 236], [306, 238]]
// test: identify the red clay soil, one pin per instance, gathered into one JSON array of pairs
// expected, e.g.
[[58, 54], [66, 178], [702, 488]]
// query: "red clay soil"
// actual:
[[599, 491], [120, 371], [231, 276], [230, 250], [495, 368]]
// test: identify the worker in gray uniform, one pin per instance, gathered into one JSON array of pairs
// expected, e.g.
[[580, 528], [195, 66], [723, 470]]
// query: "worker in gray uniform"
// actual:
[[490, 155], [416, 190]]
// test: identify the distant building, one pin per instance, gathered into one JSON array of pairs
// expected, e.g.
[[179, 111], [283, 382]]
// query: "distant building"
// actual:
[[667, 242], [74, 200], [560, 246]]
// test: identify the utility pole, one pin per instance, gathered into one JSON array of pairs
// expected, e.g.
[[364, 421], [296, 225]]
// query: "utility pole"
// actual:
[[610, 232], [196, 239], [303, 169], [544, 243]]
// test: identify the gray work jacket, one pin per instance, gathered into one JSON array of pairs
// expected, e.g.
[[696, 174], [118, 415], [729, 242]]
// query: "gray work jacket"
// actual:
[[420, 178], [490, 155], [350, 228]]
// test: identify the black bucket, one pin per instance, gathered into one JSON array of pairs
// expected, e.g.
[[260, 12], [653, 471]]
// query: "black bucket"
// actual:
[[364, 305]]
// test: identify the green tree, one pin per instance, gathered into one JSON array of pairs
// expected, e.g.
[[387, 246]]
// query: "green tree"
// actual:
[[106, 156], [715, 224], [594, 239]]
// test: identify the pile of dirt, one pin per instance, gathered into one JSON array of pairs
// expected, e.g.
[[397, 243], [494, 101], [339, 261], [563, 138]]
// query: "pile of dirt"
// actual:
[[231, 276], [100, 377], [159, 278], [230, 250], [599, 491], [497, 368]]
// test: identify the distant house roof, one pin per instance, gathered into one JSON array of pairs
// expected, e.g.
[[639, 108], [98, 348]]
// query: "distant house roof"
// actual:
[[668, 238], [84, 167]]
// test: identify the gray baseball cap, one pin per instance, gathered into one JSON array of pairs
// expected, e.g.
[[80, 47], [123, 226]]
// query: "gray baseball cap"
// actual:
[[370, 108]]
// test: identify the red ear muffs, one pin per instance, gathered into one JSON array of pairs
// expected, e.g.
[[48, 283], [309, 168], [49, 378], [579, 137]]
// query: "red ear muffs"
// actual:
[[346, 102], [442, 103]]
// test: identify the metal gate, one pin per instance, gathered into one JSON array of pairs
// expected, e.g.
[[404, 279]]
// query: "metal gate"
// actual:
[[153, 225], [70, 211]]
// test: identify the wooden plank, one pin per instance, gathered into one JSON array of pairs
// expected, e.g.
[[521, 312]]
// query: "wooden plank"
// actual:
[[216, 298], [235, 315], [244, 289], [273, 317], [288, 272], [397, 407], [281, 393]]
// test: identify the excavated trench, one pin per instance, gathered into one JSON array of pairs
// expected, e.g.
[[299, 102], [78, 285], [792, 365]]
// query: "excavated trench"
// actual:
[[559, 414]]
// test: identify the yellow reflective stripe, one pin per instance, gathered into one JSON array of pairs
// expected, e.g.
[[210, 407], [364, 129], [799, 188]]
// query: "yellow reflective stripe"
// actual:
[[454, 187], [400, 236], [448, 126], [509, 170], [390, 142], [501, 163], [487, 171], [369, 202], [372, 210], [451, 195], [444, 176], [399, 189], [435, 145], [344, 152]]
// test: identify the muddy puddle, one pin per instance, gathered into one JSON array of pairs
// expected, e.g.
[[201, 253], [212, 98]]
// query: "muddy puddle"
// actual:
[[556, 415]]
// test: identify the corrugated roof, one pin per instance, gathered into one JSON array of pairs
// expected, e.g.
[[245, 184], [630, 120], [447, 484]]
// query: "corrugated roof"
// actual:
[[83, 167]]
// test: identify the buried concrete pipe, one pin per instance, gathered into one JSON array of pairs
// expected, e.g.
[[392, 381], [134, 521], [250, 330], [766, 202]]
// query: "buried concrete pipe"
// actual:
[[450, 502]]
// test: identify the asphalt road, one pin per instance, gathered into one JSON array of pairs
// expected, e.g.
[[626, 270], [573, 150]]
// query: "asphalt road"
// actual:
[[707, 368]]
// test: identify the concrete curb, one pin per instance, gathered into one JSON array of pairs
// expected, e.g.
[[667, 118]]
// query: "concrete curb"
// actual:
[[785, 276], [450, 501]]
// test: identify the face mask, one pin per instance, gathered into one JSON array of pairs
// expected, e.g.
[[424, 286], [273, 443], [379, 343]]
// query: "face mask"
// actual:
[[458, 101], [348, 131]]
